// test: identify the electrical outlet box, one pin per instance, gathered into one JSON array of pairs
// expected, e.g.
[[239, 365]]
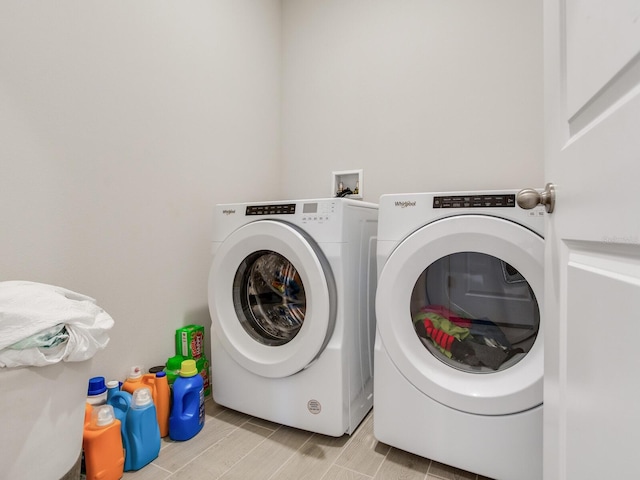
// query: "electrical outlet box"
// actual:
[[347, 180]]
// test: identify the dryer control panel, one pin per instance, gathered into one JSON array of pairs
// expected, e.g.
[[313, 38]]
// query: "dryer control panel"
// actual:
[[477, 201]]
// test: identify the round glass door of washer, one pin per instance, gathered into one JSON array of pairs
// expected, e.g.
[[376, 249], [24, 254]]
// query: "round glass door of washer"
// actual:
[[475, 312], [269, 298], [272, 298]]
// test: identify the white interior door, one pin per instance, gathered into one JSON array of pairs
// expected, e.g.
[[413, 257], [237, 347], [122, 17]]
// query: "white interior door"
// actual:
[[592, 155]]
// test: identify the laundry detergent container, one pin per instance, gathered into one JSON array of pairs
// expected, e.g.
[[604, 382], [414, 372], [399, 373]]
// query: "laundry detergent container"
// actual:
[[48, 338]]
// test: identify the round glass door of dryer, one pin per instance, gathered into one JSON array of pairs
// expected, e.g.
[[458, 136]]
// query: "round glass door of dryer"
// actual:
[[269, 298], [475, 312], [480, 273]]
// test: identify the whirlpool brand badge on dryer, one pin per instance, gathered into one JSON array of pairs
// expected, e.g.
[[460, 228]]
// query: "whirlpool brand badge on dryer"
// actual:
[[405, 204]]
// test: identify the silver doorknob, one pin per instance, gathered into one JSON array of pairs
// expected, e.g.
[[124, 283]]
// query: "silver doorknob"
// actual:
[[530, 198]]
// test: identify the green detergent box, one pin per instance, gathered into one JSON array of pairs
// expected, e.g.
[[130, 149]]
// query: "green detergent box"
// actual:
[[190, 342], [204, 369]]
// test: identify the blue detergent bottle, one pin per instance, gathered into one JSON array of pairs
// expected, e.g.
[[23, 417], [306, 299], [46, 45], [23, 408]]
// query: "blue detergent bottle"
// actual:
[[187, 411], [113, 386], [121, 403], [142, 430]]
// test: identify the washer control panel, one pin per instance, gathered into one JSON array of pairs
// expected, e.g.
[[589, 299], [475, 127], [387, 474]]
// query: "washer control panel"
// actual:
[[318, 211], [275, 209]]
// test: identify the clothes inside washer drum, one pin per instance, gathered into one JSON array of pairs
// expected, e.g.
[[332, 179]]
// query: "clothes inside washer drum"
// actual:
[[278, 297]]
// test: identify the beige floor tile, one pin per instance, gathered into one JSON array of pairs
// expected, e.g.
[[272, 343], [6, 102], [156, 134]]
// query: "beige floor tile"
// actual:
[[400, 465], [150, 472], [363, 453], [313, 459], [340, 473], [175, 455], [224, 454], [261, 462], [211, 408], [447, 472], [231, 417], [236, 446]]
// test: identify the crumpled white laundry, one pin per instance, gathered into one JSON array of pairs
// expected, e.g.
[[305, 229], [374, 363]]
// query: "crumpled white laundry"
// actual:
[[30, 308]]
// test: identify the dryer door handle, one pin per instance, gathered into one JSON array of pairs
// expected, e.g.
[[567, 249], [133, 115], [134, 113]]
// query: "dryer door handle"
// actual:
[[530, 198]]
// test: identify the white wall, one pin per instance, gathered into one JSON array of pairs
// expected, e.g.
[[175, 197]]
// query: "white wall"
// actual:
[[121, 125], [424, 95]]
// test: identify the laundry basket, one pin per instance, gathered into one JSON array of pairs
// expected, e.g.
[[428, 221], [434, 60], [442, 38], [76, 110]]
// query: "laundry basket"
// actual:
[[42, 416], [44, 377]]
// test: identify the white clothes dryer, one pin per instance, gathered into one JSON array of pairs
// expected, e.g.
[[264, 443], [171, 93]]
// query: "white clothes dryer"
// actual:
[[459, 346], [291, 297]]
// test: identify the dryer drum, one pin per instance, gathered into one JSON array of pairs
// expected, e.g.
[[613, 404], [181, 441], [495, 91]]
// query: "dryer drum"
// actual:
[[475, 312]]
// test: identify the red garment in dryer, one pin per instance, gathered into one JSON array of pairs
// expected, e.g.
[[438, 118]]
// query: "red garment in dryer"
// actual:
[[448, 314]]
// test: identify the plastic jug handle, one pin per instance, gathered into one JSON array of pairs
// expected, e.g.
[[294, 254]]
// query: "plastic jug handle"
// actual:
[[149, 379], [121, 401]]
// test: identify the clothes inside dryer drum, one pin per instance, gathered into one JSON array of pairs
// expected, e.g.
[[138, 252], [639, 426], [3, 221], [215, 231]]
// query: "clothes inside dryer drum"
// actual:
[[269, 298], [483, 344], [475, 312]]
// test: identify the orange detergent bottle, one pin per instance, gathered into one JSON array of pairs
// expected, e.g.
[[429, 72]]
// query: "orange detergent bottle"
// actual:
[[161, 394], [133, 381], [102, 444]]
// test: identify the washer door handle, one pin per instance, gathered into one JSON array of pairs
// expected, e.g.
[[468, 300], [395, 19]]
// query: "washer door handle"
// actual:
[[530, 198]]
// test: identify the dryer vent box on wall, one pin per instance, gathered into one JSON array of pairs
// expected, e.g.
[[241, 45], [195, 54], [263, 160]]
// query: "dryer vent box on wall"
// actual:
[[347, 183]]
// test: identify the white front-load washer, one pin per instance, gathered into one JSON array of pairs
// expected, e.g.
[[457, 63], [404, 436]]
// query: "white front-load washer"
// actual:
[[459, 346], [291, 298]]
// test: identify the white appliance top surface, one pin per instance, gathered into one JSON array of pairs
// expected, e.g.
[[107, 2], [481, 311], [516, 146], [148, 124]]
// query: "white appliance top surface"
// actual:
[[402, 214]]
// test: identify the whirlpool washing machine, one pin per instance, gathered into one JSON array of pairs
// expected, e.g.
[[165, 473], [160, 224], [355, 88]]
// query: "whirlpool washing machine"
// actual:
[[291, 297], [459, 345]]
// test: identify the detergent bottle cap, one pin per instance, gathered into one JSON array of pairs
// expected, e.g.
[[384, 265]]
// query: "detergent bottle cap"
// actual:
[[96, 386], [141, 397], [113, 384], [102, 415], [135, 372], [188, 368], [161, 374]]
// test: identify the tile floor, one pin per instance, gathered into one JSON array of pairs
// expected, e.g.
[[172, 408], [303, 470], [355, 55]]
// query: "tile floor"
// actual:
[[233, 445]]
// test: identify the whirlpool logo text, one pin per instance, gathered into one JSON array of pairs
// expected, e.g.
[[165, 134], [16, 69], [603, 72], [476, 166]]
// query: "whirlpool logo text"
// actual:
[[405, 204], [228, 212]]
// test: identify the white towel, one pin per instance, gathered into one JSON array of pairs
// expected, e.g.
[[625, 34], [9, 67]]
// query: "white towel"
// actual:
[[29, 308]]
